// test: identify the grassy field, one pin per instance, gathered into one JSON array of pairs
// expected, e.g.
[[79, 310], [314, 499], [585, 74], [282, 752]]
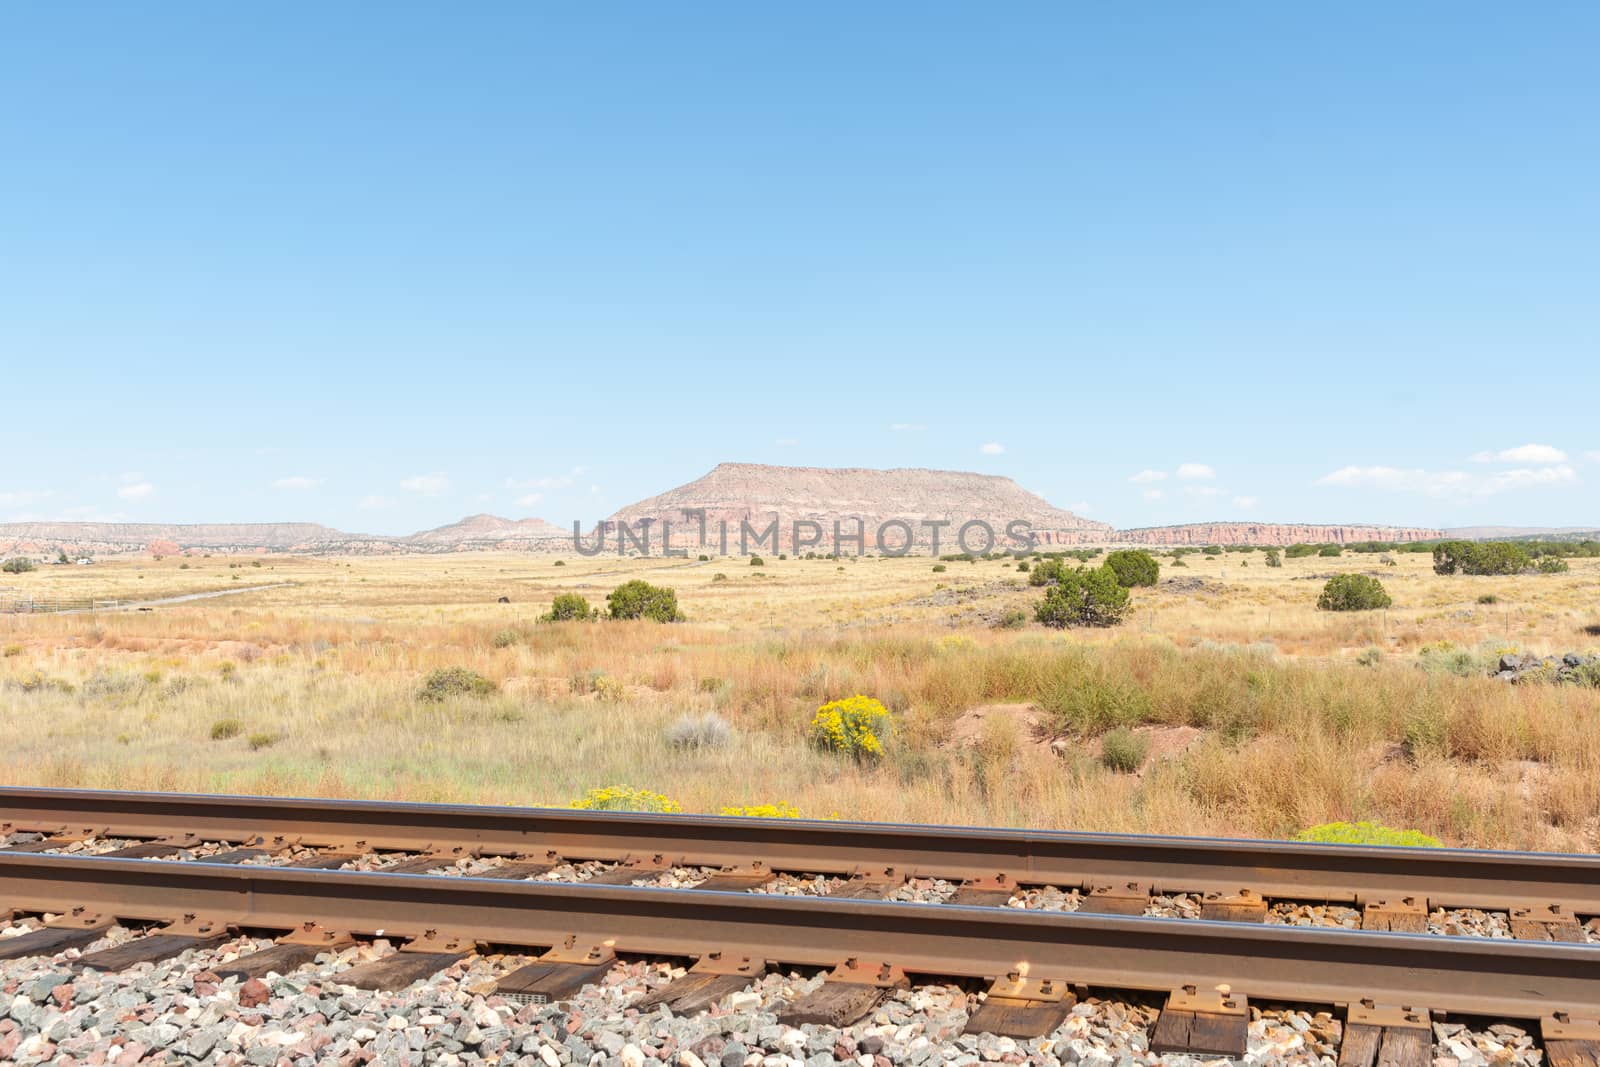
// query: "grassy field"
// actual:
[[1234, 707]]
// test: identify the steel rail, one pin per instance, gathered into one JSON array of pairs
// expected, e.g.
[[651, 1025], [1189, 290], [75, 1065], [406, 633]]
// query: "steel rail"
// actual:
[[1506, 979], [1276, 869]]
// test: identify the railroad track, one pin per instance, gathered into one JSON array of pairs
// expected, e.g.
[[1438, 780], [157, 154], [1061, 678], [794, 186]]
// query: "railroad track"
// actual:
[[1388, 982]]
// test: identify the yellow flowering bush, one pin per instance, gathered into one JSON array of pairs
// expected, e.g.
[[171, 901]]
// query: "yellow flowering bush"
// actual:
[[626, 798], [781, 810], [1366, 833], [856, 726]]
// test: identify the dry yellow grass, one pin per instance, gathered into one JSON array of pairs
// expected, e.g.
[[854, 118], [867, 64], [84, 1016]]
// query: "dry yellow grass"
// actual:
[[1279, 725]]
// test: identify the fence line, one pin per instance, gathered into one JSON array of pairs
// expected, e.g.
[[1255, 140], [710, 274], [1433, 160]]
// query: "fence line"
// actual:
[[35, 605]]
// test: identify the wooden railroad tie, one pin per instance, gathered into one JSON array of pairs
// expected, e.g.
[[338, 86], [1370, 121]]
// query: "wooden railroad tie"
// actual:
[[739, 879], [165, 942], [1570, 1041], [1245, 906], [1122, 898], [421, 957], [1386, 1035], [992, 892], [634, 868], [1022, 1007], [517, 868], [297, 947], [1212, 1022], [851, 991], [559, 973], [872, 884], [1397, 914], [74, 929], [714, 976], [1547, 922]]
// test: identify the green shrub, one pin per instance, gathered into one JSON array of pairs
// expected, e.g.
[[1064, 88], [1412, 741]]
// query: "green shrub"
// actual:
[[1330, 551], [1370, 656], [569, 607], [505, 638], [1046, 572], [257, 742], [757, 561], [719, 577], [1353, 592], [1015, 619], [1212, 550], [447, 682], [1134, 566], [1123, 750], [1274, 558], [1095, 703], [855, 726], [639, 599], [704, 558], [1300, 551], [1022, 565], [1424, 733], [1084, 597], [1553, 565], [223, 729], [1480, 557], [17, 565], [626, 798], [1488, 598], [938, 568], [559, 563], [1446, 658], [1365, 833]]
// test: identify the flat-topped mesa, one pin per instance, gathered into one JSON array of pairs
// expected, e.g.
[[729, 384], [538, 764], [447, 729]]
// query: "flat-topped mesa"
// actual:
[[489, 531], [757, 494], [110, 538], [1269, 533]]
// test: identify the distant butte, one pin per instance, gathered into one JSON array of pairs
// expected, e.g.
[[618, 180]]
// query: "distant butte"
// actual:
[[731, 493]]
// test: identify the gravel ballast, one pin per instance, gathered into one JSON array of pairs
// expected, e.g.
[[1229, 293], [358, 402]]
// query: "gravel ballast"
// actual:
[[179, 1011]]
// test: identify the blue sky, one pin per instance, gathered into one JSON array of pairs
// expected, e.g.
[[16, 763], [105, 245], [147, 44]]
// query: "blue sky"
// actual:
[[383, 266]]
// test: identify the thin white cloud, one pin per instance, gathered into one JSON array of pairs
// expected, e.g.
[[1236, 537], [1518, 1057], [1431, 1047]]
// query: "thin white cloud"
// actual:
[[1153, 494], [1148, 475], [530, 500], [1195, 472], [1592, 457], [556, 481], [296, 482], [136, 491], [906, 427], [1245, 503], [374, 502], [1530, 478], [1544, 454], [1448, 483], [426, 484], [992, 448]]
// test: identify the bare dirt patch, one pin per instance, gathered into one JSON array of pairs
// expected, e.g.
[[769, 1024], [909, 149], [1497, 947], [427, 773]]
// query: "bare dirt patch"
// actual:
[[972, 726]]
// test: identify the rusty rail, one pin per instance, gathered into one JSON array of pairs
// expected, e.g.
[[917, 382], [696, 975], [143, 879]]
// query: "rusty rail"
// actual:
[[1507, 979], [1275, 869]]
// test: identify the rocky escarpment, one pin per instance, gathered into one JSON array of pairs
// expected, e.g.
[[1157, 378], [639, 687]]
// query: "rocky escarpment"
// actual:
[[1269, 533], [757, 494]]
